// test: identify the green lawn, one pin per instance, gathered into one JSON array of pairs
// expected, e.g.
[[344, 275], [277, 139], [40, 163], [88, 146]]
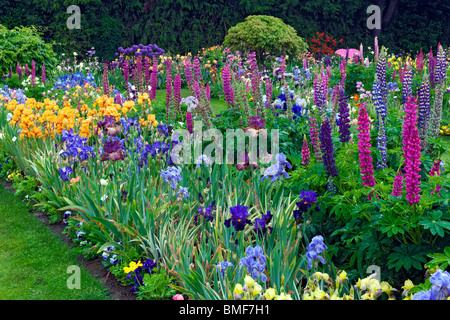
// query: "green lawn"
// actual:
[[217, 105], [34, 261]]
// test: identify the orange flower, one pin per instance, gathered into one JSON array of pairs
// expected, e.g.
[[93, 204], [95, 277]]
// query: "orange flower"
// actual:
[[356, 97], [358, 105], [74, 180]]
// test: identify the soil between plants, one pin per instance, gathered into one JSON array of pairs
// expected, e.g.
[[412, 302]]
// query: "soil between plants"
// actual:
[[95, 267]]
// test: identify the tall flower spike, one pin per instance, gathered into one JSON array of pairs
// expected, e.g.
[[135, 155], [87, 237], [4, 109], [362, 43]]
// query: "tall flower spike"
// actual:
[[365, 159], [381, 75], [407, 83], [424, 110], [381, 144], [314, 133], [411, 148], [227, 89], [436, 170], [33, 73], [168, 90], [154, 79], [177, 93], [305, 152], [268, 93], [326, 145], [43, 74], [344, 117]]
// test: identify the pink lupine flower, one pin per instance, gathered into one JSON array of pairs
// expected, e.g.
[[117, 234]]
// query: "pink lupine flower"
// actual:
[[305, 152], [411, 148], [436, 170], [227, 89], [315, 141], [365, 159], [189, 122], [398, 185], [154, 79]]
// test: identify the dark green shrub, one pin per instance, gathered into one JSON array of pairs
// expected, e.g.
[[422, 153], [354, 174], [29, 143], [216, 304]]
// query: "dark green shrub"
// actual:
[[23, 45], [265, 35]]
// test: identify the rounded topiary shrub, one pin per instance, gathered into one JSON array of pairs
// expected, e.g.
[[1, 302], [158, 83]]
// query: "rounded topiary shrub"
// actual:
[[23, 45], [265, 35]]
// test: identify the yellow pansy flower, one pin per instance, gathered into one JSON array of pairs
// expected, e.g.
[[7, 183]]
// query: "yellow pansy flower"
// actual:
[[132, 266]]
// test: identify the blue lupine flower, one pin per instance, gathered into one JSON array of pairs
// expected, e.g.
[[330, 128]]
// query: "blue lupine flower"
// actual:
[[255, 262], [171, 174], [314, 249]]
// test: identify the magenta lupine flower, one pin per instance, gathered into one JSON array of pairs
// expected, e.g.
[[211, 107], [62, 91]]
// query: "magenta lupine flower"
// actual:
[[365, 159], [397, 189], [19, 70], [147, 72], [419, 61], [33, 73], [255, 75], [227, 88], [436, 170], [188, 71], [43, 74], [305, 153], [189, 122], [268, 93], [154, 79], [208, 91], [27, 71], [314, 133], [177, 91], [105, 80], [168, 86], [411, 148], [197, 72]]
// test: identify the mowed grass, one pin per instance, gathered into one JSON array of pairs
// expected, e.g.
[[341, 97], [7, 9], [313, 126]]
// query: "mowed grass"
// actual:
[[34, 261], [217, 104]]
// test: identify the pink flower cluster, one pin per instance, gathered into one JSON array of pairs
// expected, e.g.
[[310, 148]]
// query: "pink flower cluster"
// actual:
[[411, 152], [398, 185], [305, 152], [365, 159], [314, 132], [436, 170]]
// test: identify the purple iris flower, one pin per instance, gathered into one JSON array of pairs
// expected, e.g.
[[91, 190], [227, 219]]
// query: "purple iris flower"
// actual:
[[239, 218]]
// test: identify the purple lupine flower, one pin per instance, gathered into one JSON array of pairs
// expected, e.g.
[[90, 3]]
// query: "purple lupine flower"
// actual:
[[177, 92], [168, 86], [344, 117], [424, 109], [43, 74], [326, 145], [314, 249], [440, 75], [189, 122], [239, 218], [381, 76], [154, 79], [407, 83], [432, 66]]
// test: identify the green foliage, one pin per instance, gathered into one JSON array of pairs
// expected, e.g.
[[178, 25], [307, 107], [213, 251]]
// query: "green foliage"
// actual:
[[265, 35], [23, 45], [156, 286]]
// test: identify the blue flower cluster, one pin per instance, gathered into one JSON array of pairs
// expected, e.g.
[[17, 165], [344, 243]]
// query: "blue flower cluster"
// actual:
[[440, 289], [66, 82], [314, 249], [13, 94], [75, 146], [255, 262], [171, 175]]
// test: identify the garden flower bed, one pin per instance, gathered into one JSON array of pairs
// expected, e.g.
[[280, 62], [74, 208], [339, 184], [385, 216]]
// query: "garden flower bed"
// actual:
[[344, 196]]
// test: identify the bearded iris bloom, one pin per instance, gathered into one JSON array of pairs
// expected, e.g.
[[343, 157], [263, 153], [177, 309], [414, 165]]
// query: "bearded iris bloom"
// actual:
[[207, 213], [307, 199], [261, 223], [64, 173], [255, 262], [171, 175], [277, 169], [314, 249], [239, 218], [113, 151]]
